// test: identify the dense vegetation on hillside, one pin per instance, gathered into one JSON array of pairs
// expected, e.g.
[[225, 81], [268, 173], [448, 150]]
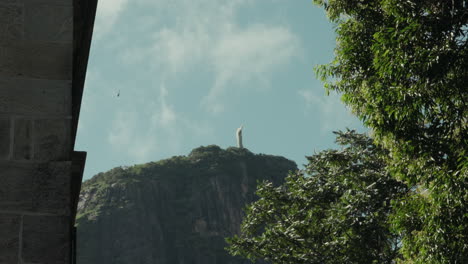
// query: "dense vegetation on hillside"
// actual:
[[176, 210]]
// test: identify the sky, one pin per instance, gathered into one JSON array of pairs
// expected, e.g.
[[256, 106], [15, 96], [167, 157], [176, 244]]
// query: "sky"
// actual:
[[189, 73]]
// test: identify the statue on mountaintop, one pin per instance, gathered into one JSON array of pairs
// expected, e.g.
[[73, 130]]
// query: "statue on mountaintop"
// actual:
[[239, 137]]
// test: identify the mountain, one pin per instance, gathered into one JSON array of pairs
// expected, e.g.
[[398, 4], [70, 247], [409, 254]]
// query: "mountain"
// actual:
[[174, 211]]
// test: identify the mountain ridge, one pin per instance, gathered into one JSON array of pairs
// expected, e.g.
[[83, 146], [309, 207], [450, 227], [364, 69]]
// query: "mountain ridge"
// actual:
[[176, 210]]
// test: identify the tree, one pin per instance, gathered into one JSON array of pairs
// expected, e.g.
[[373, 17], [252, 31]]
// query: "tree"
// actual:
[[402, 67], [336, 211]]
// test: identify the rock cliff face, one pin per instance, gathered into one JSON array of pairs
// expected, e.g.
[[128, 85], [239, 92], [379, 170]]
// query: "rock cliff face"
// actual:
[[175, 211]]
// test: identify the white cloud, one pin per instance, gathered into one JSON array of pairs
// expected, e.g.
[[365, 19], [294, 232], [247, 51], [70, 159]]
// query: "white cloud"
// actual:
[[164, 116], [254, 53], [206, 34], [140, 136], [107, 13], [137, 137], [126, 137], [334, 114], [177, 50]]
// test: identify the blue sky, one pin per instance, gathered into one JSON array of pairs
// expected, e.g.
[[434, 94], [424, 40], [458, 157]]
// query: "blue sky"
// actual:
[[191, 72]]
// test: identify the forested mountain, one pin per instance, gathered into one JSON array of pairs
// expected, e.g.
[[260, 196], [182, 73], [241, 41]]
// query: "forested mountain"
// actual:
[[174, 211]]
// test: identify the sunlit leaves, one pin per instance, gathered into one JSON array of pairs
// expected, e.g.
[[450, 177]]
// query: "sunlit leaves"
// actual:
[[402, 66], [336, 211]]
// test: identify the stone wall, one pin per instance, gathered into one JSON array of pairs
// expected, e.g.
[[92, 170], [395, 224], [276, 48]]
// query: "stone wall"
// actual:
[[40, 174]]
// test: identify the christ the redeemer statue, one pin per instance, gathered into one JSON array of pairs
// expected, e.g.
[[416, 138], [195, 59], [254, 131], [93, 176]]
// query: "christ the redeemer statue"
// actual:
[[239, 137]]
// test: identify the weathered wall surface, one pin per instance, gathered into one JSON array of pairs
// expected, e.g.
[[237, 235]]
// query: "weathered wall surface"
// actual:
[[36, 143]]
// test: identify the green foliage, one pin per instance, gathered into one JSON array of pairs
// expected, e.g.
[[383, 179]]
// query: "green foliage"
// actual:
[[336, 211], [402, 66]]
